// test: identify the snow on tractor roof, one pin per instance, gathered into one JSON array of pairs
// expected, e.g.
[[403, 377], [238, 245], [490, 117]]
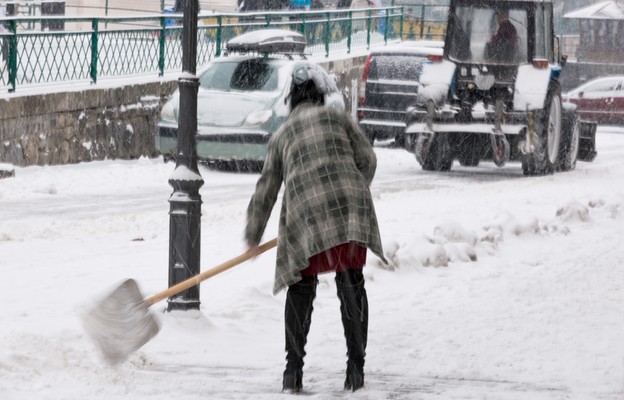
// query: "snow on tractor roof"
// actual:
[[268, 41]]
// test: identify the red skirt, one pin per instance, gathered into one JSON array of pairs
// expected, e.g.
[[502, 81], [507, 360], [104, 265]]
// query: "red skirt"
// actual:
[[344, 256]]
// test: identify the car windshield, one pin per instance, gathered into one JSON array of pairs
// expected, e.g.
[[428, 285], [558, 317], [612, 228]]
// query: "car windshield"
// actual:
[[247, 76], [487, 35]]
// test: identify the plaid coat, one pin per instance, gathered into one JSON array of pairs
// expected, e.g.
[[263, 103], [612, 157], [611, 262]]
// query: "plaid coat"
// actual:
[[327, 165]]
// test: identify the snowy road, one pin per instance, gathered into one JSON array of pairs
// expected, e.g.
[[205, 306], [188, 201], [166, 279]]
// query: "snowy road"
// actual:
[[501, 286]]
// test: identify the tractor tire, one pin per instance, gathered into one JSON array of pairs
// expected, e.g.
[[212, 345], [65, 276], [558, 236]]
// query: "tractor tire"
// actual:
[[468, 158], [399, 140], [547, 136], [570, 143], [469, 151], [434, 154]]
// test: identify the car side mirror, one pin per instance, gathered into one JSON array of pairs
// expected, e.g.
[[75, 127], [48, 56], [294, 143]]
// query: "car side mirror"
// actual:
[[581, 94]]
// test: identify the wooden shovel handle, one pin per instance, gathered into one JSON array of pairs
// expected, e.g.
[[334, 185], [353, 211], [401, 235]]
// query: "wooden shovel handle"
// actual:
[[190, 282]]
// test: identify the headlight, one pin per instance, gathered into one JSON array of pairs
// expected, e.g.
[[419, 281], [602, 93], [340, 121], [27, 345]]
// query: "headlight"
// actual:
[[168, 112], [258, 118]]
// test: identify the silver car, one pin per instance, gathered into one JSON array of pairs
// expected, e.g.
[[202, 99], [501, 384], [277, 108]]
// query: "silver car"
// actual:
[[243, 100]]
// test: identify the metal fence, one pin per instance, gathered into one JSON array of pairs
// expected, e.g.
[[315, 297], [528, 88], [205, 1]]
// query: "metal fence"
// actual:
[[95, 48]]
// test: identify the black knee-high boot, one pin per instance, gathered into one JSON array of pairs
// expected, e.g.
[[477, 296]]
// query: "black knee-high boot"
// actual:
[[354, 310], [297, 318]]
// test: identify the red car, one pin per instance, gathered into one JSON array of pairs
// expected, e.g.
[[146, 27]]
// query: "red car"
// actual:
[[600, 100]]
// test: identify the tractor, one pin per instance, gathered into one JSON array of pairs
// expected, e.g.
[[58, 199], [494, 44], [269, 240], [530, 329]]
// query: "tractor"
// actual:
[[495, 94]]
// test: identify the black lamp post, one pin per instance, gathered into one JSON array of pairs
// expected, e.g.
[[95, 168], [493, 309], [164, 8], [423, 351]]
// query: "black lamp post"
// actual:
[[185, 201]]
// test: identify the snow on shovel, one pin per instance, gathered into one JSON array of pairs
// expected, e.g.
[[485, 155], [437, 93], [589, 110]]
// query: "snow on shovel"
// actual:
[[121, 322]]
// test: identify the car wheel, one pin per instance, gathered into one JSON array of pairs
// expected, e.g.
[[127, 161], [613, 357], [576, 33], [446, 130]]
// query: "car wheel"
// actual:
[[434, 152], [546, 138], [371, 137], [399, 141]]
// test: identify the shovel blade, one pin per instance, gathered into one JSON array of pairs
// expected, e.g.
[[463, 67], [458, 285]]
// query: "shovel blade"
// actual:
[[120, 323]]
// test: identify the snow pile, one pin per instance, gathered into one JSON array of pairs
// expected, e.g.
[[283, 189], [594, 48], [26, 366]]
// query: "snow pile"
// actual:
[[6, 171], [451, 243]]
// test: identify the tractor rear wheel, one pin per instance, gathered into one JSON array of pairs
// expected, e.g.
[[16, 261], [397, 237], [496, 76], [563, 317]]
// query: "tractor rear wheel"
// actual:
[[546, 137], [570, 143]]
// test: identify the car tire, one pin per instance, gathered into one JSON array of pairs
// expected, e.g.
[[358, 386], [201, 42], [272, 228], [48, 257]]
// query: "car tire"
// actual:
[[434, 153], [547, 136], [371, 137], [399, 141]]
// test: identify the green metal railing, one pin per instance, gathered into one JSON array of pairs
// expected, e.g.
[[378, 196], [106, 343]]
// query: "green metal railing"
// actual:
[[95, 48]]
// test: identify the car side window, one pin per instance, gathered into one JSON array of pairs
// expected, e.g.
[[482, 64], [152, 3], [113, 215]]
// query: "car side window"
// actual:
[[599, 87]]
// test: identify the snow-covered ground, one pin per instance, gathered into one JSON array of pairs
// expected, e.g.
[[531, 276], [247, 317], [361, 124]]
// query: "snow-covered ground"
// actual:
[[502, 286]]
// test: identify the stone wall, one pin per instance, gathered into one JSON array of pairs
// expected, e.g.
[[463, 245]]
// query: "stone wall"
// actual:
[[101, 123], [82, 125]]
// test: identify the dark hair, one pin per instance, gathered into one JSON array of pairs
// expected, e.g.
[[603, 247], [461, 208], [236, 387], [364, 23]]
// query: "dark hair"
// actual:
[[306, 92], [502, 11]]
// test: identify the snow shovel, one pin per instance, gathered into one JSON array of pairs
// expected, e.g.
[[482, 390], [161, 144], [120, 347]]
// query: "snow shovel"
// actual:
[[121, 323]]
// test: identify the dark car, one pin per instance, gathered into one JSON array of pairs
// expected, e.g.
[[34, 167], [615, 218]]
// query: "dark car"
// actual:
[[389, 85], [600, 100]]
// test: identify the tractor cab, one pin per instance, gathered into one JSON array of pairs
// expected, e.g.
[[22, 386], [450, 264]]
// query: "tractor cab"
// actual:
[[495, 93], [489, 39]]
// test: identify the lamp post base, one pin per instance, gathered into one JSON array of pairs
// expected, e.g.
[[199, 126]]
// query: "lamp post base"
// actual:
[[179, 304]]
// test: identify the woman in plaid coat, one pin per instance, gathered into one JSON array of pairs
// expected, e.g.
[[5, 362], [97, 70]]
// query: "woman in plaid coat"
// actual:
[[327, 221]]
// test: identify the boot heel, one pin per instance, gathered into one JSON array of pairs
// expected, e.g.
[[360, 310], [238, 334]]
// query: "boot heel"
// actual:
[[292, 381], [355, 378], [354, 381]]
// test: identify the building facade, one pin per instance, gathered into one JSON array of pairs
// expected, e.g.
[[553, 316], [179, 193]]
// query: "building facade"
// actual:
[[601, 32]]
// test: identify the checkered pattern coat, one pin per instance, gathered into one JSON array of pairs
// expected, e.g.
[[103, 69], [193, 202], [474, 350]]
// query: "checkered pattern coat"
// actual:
[[326, 165]]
